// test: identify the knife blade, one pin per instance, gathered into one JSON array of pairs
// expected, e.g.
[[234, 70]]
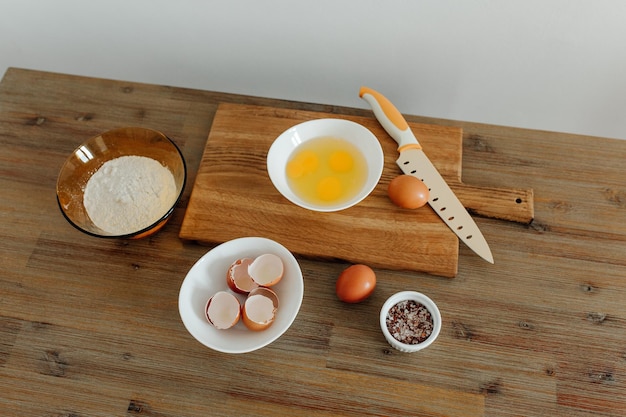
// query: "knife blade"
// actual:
[[413, 161]]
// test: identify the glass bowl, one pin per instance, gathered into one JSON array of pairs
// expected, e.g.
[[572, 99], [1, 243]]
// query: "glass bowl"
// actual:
[[92, 154]]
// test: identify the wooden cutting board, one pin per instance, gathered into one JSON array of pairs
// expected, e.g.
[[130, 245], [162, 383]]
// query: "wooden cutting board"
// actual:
[[233, 197]]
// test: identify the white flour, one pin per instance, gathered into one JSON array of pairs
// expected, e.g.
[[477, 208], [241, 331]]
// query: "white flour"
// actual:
[[129, 193]]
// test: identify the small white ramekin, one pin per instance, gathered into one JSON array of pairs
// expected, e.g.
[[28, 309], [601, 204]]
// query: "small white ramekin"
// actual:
[[420, 298]]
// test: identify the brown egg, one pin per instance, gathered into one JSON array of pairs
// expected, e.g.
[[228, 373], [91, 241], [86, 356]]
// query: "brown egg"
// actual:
[[407, 191], [355, 283]]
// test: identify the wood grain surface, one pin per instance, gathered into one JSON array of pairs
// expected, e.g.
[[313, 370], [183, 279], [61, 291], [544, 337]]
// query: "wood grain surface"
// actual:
[[233, 188], [90, 327]]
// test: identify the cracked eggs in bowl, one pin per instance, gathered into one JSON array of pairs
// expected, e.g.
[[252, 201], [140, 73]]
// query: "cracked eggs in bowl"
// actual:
[[325, 164]]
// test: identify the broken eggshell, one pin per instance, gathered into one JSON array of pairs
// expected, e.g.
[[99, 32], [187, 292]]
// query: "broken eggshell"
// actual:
[[259, 309], [223, 310], [238, 278], [266, 270]]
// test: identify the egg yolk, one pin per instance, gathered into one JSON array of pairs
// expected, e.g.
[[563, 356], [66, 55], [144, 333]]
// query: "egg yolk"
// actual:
[[326, 170], [341, 161], [329, 189], [304, 163]]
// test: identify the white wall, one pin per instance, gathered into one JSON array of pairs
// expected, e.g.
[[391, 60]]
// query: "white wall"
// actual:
[[546, 64]]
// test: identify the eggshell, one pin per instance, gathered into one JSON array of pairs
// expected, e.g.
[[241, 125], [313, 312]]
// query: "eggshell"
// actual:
[[259, 309], [237, 276], [223, 310], [355, 283], [266, 270], [407, 191]]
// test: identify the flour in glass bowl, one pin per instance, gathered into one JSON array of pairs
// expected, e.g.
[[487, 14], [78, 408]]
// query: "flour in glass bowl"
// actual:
[[129, 193]]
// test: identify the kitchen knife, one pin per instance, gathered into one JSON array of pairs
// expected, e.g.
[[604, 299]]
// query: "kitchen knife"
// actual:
[[413, 161]]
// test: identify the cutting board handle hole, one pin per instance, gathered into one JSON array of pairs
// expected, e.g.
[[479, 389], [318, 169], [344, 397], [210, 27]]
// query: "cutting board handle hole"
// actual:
[[518, 200]]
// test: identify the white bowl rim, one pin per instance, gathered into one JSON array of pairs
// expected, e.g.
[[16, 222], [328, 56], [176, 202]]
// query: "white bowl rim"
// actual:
[[286, 142]]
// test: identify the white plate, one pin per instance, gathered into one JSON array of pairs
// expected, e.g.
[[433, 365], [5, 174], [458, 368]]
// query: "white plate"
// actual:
[[208, 276]]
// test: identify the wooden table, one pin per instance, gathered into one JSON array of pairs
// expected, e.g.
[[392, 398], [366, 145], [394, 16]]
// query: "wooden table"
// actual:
[[91, 327]]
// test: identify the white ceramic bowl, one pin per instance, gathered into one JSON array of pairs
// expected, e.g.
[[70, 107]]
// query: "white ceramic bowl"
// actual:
[[420, 298], [358, 135], [208, 276]]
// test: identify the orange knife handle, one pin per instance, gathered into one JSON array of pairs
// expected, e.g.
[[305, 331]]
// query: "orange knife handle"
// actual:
[[390, 118]]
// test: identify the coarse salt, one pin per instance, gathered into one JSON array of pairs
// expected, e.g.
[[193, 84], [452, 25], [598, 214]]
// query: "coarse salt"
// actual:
[[128, 194], [409, 322]]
